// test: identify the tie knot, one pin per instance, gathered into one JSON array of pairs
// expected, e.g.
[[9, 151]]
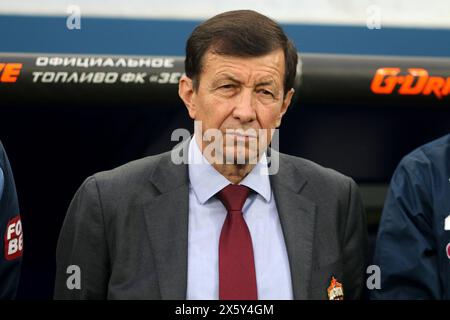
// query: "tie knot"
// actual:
[[233, 196]]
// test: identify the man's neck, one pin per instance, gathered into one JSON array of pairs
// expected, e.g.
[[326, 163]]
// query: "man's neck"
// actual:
[[233, 172]]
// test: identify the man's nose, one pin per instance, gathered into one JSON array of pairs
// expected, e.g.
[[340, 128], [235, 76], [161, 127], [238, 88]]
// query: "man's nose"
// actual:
[[244, 109]]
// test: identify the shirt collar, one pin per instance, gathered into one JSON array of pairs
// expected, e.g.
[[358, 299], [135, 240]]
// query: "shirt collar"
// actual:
[[206, 181]]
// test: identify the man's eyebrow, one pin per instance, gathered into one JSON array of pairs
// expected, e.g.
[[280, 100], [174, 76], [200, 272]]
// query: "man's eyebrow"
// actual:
[[266, 83], [229, 77], [225, 77]]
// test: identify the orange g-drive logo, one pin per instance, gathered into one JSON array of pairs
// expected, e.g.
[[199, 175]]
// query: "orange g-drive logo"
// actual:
[[9, 71], [416, 82]]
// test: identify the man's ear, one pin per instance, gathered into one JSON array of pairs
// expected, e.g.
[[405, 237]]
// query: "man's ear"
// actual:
[[186, 92], [286, 102]]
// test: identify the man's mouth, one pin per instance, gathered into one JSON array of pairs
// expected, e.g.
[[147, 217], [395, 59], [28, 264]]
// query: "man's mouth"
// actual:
[[241, 135]]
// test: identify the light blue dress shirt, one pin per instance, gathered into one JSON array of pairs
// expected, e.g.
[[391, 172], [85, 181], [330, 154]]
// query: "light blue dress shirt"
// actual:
[[206, 217]]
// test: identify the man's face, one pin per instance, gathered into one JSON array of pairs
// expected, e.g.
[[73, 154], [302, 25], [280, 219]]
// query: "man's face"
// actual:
[[238, 93]]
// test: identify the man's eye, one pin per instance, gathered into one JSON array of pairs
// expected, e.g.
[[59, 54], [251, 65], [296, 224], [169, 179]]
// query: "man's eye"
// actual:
[[227, 86], [266, 92]]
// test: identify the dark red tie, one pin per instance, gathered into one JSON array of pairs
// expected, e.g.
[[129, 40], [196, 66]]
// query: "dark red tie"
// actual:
[[237, 277]]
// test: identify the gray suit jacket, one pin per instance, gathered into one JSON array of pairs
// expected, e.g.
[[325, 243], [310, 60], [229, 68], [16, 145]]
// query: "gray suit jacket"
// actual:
[[127, 230]]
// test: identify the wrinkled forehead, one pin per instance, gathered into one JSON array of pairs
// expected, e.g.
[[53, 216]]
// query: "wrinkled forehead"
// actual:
[[267, 67]]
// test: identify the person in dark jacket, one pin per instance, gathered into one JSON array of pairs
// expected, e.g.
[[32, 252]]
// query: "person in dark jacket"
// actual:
[[413, 242], [11, 231]]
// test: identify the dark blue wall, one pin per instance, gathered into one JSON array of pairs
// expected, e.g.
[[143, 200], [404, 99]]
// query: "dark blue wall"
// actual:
[[123, 36]]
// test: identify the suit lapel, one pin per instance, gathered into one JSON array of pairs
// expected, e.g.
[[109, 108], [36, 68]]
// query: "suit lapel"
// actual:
[[297, 217], [166, 217]]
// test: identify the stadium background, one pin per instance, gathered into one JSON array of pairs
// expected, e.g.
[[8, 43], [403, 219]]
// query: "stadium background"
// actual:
[[54, 147]]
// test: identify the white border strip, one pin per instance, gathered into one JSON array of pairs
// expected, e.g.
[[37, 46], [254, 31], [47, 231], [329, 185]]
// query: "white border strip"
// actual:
[[390, 13]]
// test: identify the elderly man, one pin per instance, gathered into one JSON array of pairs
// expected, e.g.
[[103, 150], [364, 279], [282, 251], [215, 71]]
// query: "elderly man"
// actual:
[[221, 226]]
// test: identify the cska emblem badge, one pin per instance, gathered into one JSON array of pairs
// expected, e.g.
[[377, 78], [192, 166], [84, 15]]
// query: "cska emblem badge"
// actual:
[[335, 290]]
